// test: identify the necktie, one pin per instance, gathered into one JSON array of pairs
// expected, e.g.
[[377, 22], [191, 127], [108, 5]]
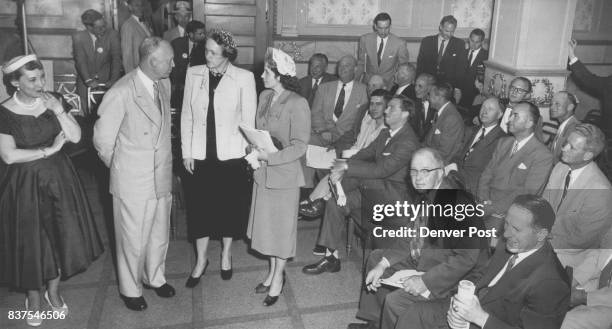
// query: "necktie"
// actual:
[[380, 50], [191, 53], [141, 19], [441, 52], [435, 118], [470, 58], [568, 178], [482, 134], [156, 97], [339, 103], [605, 276], [514, 148], [510, 265]]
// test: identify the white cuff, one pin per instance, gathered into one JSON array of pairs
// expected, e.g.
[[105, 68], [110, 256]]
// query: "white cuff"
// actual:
[[573, 60]]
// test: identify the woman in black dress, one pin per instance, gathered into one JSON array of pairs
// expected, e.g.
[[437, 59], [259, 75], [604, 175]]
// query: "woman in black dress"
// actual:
[[218, 98], [47, 230]]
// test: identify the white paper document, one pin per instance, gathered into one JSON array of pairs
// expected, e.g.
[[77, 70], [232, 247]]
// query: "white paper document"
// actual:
[[260, 138], [319, 157], [396, 279]]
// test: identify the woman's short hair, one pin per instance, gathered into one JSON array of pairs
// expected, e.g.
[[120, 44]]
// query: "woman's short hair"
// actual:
[[90, 16], [288, 82], [225, 39], [15, 75]]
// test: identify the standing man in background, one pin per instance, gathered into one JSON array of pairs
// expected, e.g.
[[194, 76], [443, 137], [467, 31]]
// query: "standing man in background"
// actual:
[[476, 55], [182, 16], [133, 31], [380, 52], [189, 51]]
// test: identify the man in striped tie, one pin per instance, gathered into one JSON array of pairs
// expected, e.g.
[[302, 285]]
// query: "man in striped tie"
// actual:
[[580, 194]]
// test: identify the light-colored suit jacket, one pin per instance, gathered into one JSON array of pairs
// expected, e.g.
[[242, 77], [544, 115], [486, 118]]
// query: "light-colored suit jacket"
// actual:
[[235, 104], [585, 214], [322, 111], [132, 35], [172, 34], [556, 145], [506, 177], [395, 53], [132, 137], [287, 120], [446, 134]]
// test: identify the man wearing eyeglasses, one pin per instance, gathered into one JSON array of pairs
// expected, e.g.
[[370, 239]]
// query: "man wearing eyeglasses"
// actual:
[[519, 91], [441, 262], [520, 165]]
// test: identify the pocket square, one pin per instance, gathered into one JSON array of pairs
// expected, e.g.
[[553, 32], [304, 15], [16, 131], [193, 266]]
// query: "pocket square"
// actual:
[[522, 166], [437, 131], [454, 55], [386, 154]]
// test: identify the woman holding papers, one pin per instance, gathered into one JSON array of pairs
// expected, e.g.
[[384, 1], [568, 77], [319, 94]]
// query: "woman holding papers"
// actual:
[[218, 98], [273, 220]]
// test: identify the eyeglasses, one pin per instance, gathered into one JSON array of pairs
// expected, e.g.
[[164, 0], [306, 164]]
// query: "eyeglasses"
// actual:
[[514, 89], [415, 172]]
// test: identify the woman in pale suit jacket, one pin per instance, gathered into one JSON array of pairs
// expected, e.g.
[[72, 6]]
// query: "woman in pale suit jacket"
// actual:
[[218, 98], [273, 220]]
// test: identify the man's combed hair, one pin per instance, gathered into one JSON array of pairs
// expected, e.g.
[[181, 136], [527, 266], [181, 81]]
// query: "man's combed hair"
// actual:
[[448, 19], [194, 26], [148, 46], [542, 212], [595, 138], [381, 17], [90, 16]]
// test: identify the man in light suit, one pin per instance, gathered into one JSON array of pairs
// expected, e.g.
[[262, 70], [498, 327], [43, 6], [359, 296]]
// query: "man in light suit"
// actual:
[[443, 55], [562, 110], [591, 297], [446, 132], [479, 145], [182, 16], [476, 55], [581, 195], [380, 52], [97, 55], [443, 261], [381, 166], [317, 74], [520, 165], [523, 286], [132, 137], [133, 31]]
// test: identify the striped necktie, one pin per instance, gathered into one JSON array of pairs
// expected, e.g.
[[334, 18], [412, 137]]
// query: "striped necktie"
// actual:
[[481, 137], [156, 96]]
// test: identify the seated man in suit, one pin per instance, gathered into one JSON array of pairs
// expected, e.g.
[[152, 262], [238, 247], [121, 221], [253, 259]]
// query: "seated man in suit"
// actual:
[[443, 55], [523, 286], [382, 166], [97, 55], [424, 114], [317, 74], [519, 91], [591, 296], [380, 52], [375, 82], [182, 16], [446, 132], [520, 165], [562, 110], [188, 51], [404, 81], [350, 143], [443, 261], [479, 145], [476, 55], [581, 195]]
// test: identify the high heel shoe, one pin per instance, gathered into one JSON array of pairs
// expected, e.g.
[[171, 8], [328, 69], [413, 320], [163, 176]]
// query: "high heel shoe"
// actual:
[[227, 274], [271, 300], [193, 281], [61, 309], [32, 321]]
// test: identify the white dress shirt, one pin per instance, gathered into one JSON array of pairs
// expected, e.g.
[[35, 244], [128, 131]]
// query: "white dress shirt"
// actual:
[[181, 31], [505, 118], [474, 54], [522, 142], [378, 39], [148, 83], [477, 137], [519, 258], [401, 89]]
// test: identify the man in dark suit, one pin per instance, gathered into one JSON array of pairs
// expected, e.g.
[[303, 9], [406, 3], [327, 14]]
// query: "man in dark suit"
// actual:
[[97, 55], [404, 81], [317, 74], [446, 132], [476, 55], [442, 261], [382, 166], [580, 194], [562, 110], [380, 52], [188, 51], [424, 113], [443, 55], [479, 145], [523, 286], [520, 165]]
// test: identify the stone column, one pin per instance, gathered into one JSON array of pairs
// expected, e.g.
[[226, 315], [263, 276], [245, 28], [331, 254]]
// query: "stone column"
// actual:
[[529, 38]]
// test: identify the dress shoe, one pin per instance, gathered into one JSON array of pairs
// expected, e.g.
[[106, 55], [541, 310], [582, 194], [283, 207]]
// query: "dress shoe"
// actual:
[[134, 303], [319, 250], [193, 281], [262, 288], [33, 321], [227, 274], [165, 290], [312, 209], [326, 264], [60, 309]]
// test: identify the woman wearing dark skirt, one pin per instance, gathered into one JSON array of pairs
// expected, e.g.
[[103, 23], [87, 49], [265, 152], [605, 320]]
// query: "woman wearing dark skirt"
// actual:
[[276, 189], [47, 229], [218, 98]]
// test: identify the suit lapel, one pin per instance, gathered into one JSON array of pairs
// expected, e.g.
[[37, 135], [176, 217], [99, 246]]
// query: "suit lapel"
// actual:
[[145, 101], [372, 51], [351, 102]]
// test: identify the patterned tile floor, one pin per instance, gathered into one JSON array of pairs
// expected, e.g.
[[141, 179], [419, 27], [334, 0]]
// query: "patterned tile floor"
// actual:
[[326, 301]]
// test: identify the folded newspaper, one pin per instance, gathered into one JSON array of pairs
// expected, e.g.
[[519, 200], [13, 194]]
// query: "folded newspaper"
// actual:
[[397, 279], [260, 138]]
